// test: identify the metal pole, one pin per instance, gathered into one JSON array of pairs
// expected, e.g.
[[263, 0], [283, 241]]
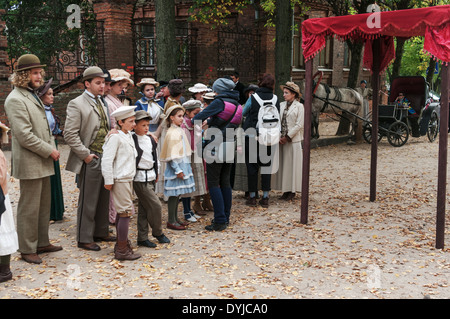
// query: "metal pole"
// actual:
[[442, 164], [376, 88], [306, 141]]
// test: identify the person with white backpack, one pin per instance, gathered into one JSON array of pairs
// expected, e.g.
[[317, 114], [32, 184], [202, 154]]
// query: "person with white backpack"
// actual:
[[262, 128]]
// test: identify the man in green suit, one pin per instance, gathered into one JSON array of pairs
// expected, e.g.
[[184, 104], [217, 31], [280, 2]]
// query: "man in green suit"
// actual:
[[33, 154]]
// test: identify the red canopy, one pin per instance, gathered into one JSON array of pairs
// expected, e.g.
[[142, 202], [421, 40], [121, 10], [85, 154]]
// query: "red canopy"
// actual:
[[433, 23]]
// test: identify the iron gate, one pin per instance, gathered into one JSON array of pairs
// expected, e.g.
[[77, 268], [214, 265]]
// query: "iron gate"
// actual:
[[239, 50], [66, 52], [144, 39]]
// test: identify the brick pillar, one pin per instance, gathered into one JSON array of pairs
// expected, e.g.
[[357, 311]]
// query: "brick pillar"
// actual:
[[117, 16], [5, 85]]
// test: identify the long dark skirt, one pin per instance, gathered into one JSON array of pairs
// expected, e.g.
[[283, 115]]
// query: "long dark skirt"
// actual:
[[57, 207]]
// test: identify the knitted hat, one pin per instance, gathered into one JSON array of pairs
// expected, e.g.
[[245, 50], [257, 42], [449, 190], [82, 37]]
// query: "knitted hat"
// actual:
[[223, 85], [176, 87]]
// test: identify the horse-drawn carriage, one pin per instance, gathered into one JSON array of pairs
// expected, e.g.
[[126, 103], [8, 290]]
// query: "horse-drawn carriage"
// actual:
[[397, 121]]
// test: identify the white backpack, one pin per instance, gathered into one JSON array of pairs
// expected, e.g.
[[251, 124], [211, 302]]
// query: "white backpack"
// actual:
[[269, 122]]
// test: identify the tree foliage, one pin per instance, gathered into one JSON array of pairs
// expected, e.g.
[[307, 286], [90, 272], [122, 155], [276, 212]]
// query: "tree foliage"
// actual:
[[39, 27], [216, 12]]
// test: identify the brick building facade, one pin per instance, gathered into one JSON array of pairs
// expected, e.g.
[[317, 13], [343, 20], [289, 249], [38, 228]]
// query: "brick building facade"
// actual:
[[244, 45]]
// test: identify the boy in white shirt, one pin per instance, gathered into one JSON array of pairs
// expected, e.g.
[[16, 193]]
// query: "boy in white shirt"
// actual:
[[118, 170], [149, 205]]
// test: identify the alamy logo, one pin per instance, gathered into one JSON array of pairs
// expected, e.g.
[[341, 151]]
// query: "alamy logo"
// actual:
[[374, 20], [74, 19], [374, 277]]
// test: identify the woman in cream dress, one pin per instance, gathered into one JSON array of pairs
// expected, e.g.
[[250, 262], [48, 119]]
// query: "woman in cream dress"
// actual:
[[288, 178]]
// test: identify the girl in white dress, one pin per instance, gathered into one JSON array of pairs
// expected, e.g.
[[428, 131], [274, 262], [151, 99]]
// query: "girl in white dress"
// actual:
[[8, 236]]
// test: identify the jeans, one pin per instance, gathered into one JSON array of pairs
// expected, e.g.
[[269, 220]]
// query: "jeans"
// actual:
[[218, 176]]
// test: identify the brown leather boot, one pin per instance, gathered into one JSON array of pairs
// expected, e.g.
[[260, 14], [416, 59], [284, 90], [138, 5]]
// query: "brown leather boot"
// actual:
[[123, 251], [207, 203], [197, 207], [5, 273]]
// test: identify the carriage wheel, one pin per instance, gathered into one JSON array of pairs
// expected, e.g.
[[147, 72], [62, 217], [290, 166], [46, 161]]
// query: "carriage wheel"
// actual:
[[433, 127], [398, 134], [367, 133]]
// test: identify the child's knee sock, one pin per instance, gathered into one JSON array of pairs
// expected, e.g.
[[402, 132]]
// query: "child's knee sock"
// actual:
[[172, 206], [122, 225]]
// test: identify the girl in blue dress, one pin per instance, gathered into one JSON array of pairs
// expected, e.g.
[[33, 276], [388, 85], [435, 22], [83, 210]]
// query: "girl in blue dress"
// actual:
[[154, 107], [176, 153]]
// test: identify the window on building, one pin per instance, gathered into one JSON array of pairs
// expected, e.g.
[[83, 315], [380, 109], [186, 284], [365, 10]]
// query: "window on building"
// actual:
[[325, 55], [347, 55], [145, 43], [145, 39], [297, 52]]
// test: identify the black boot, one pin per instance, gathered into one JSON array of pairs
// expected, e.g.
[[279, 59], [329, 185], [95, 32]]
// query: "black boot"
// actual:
[[5, 273], [216, 226]]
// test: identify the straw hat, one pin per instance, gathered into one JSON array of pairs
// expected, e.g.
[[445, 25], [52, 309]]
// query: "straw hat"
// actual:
[[291, 86], [118, 75], [93, 72], [199, 88], [148, 81], [28, 62]]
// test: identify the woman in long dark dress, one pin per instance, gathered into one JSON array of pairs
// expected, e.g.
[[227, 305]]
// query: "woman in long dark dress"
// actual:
[[45, 93]]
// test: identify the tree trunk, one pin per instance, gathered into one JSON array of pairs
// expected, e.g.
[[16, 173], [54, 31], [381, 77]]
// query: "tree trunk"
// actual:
[[430, 74], [283, 44], [356, 49], [166, 53], [398, 57]]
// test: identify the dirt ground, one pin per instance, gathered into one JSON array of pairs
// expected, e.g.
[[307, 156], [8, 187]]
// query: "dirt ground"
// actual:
[[351, 248]]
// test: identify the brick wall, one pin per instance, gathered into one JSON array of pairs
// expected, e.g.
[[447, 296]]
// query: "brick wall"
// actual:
[[117, 16], [5, 85]]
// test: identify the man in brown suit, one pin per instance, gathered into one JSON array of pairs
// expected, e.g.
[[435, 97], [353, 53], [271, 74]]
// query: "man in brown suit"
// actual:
[[87, 124], [33, 153]]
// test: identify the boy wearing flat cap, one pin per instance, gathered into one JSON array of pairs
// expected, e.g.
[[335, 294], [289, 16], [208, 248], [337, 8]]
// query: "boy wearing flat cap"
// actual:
[[118, 170], [149, 205]]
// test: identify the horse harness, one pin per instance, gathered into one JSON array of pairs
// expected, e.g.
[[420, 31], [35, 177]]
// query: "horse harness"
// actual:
[[337, 96]]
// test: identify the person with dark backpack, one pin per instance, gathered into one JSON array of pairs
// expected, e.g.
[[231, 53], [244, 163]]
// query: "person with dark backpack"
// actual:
[[262, 131]]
